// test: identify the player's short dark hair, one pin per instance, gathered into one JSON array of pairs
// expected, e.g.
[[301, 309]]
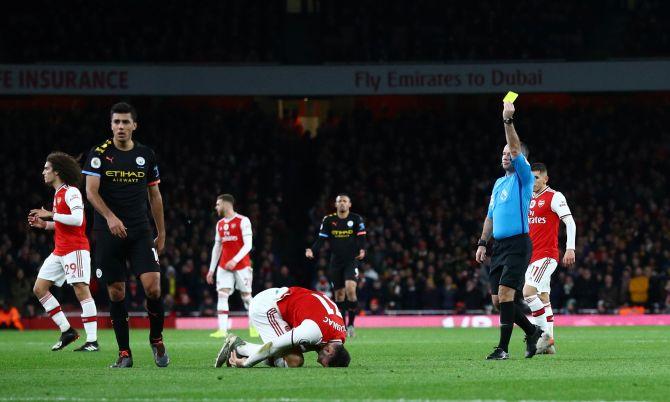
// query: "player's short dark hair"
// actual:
[[343, 195], [67, 167], [226, 197], [340, 357], [123, 108], [538, 167]]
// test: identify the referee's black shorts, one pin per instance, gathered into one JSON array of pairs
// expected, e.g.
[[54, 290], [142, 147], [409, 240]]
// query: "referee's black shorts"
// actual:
[[340, 271], [113, 253], [509, 262]]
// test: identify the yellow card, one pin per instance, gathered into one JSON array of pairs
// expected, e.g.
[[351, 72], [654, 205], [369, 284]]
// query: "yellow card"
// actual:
[[510, 97]]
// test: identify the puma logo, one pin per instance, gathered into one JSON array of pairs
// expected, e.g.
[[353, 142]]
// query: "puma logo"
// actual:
[[110, 159]]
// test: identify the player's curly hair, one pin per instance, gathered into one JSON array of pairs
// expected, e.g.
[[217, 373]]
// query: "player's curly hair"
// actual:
[[67, 167], [340, 357]]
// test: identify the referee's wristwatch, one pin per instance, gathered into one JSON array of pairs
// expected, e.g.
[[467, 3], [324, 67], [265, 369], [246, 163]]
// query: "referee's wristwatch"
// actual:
[[508, 120], [482, 243]]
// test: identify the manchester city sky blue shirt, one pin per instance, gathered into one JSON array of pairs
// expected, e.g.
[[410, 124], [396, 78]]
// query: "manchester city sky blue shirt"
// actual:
[[510, 200]]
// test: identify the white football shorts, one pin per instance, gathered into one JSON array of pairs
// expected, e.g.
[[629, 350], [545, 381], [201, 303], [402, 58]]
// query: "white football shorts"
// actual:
[[265, 316], [74, 267], [240, 279], [538, 274]]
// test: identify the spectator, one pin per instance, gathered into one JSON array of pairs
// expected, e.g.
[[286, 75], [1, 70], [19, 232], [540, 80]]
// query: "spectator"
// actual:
[[639, 288], [9, 316], [20, 289], [608, 295], [283, 278], [449, 293]]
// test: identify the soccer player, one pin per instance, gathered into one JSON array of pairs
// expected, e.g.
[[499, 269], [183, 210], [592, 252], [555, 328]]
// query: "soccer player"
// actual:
[[507, 220], [121, 177], [70, 260], [346, 232], [232, 244], [290, 321], [547, 208]]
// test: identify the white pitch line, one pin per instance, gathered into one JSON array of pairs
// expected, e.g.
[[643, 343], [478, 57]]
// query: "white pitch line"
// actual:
[[75, 399]]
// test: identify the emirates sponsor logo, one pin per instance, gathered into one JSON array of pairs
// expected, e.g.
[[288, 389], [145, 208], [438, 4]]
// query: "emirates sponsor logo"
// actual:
[[537, 219], [230, 238]]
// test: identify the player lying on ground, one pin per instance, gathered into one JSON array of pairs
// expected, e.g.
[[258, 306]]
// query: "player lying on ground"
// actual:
[[71, 260], [290, 321]]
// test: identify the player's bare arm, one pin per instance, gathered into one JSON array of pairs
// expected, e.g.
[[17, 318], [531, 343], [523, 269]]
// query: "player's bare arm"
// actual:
[[361, 254], [480, 256], [513, 140], [116, 227], [156, 203]]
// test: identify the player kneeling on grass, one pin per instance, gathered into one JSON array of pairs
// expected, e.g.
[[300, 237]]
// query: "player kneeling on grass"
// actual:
[[71, 260], [290, 321]]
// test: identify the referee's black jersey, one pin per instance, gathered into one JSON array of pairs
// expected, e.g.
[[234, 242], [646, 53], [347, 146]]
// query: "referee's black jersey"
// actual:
[[346, 236], [124, 178]]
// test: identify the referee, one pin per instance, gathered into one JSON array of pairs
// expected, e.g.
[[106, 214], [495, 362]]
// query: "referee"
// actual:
[[346, 232], [121, 178], [507, 219]]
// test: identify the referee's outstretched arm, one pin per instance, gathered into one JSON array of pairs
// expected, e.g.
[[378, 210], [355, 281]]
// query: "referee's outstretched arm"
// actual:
[[513, 140]]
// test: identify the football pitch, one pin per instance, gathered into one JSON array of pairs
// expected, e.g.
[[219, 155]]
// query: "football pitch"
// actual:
[[623, 363]]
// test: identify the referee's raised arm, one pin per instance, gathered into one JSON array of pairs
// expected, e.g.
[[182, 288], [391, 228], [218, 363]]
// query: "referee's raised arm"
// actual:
[[513, 141]]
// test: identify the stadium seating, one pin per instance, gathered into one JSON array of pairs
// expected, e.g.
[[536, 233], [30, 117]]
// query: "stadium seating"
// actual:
[[421, 179]]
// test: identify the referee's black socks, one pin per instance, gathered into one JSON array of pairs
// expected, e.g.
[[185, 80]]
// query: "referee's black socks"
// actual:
[[352, 310], [119, 316], [506, 324], [521, 320], [156, 318], [343, 307]]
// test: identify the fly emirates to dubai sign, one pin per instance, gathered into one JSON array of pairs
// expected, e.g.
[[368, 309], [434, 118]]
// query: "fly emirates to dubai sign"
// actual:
[[276, 80]]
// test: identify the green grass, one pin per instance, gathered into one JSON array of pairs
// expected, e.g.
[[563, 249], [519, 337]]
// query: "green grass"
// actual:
[[629, 363]]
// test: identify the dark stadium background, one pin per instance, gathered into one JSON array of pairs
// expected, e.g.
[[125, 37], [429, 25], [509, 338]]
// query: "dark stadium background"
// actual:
[[419, 168]]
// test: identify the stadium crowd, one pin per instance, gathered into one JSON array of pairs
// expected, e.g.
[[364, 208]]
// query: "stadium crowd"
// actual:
[[421, 178], [326, 31]]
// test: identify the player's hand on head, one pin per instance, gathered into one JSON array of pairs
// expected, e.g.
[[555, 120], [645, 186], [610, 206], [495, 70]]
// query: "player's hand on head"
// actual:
[[480, 255], [309, 253], [569, 258], [236, 361], [116, 227], [508, 110]]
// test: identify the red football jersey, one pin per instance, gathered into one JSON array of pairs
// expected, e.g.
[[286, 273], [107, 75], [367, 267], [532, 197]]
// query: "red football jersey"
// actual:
[[231, 232], [68, 238], [546, 210], [300, 304]]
